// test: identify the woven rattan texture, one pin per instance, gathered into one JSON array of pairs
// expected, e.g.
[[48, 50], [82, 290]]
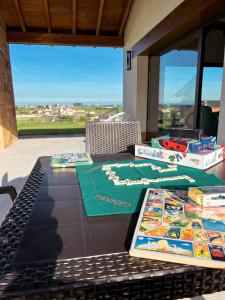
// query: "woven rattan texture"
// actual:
[[114, 276], [112, 137]]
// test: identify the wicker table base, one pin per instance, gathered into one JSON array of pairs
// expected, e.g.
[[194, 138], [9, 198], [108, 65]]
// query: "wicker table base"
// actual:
[[110, 276]]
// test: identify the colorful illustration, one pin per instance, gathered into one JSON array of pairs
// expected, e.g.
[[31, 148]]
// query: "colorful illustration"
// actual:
[[187, 234], [169, 206], [210, 224], [173, 233], [207, 196], [201, 235], [164, 245], [192, 211], [68, 160], [158, 204], [149, 204], [216, 252], [201, 250], [170, 216], [215, 237], [148, 223], [177, 227], [196, 224], [153, 212], [155, 195], [183, 144], [181, 223], [159, 231]]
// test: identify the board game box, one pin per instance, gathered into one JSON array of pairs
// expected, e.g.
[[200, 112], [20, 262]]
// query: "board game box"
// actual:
[[202, 160], [207, 195], [183, 144], [68, 160], [171, 229], [186, 133]]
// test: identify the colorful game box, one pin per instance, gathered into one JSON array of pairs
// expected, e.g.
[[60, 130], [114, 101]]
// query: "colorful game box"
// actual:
[[183, 144], [68, 160], [207, 196], [171, 229], [201, 160]]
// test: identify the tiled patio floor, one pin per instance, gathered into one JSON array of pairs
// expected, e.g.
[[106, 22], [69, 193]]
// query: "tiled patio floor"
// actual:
[[17, 161]]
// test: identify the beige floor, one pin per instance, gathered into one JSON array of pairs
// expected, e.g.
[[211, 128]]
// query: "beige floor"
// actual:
[[18, 160]]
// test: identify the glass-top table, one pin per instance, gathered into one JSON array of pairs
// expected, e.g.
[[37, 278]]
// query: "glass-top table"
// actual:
[[49, 246]]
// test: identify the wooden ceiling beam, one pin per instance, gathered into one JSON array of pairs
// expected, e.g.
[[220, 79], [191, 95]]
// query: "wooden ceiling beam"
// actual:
[[64, 39], [124, 17], [74, 16], [20, 14], [99, 20], [47, 16]]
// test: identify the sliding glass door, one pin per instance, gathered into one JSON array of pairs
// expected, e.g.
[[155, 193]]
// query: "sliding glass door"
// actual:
[[177, 77], [211, 73], [177, 83], [185, 83]]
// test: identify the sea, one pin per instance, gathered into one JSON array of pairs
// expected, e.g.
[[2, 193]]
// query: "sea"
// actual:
[[66, 102]]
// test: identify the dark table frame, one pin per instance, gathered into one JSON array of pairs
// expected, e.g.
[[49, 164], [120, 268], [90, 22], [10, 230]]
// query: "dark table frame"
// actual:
[[110, 276]]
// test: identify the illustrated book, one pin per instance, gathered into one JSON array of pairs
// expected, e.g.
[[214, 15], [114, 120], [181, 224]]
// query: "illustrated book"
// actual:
[[68, 160], [169, 228]]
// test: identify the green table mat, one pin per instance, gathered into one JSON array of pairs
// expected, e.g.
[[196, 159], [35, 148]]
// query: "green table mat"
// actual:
[[102, 197]]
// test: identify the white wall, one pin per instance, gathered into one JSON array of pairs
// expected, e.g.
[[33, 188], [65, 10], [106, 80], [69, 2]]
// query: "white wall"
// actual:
[[130, 87], [144, 16], [135, 82]]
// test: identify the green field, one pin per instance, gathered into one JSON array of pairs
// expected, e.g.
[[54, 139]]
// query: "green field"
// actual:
[[26, 127], [34, 120]]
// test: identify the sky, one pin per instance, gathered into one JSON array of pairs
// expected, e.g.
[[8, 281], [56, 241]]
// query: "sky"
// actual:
[[61, 74], [178, 73], [212, 83], [179, 84]]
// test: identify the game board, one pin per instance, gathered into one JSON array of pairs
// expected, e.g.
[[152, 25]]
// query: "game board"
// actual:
[[171, 229], [119, 188]]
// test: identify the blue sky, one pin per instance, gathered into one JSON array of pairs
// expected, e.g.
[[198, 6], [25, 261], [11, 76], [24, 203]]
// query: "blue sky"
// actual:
[[180, 82], [178, 78], [46, 74], [212, 83], [54, 74]]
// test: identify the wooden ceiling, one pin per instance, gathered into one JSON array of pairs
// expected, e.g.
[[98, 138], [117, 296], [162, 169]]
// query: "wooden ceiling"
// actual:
[[66, 22]]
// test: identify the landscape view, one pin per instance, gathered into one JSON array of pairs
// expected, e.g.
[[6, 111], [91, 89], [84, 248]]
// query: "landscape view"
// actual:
[[57, 89], [60, 118]]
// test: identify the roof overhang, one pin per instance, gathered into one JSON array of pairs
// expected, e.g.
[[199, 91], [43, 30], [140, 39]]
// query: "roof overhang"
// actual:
[[67, 22], [188, 16]]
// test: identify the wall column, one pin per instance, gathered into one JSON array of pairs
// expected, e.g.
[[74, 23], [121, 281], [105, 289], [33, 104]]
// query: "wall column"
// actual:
[[221, 126], [135, 90], [8, 129]]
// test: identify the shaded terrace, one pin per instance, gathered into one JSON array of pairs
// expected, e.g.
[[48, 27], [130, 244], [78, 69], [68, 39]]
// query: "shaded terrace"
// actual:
[[70, 22]]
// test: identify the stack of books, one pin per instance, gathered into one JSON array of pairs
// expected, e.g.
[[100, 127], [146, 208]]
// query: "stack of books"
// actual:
[[70, 160]]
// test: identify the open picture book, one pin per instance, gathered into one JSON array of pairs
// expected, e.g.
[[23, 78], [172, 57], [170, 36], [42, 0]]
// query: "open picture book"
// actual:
[[169, 228]]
